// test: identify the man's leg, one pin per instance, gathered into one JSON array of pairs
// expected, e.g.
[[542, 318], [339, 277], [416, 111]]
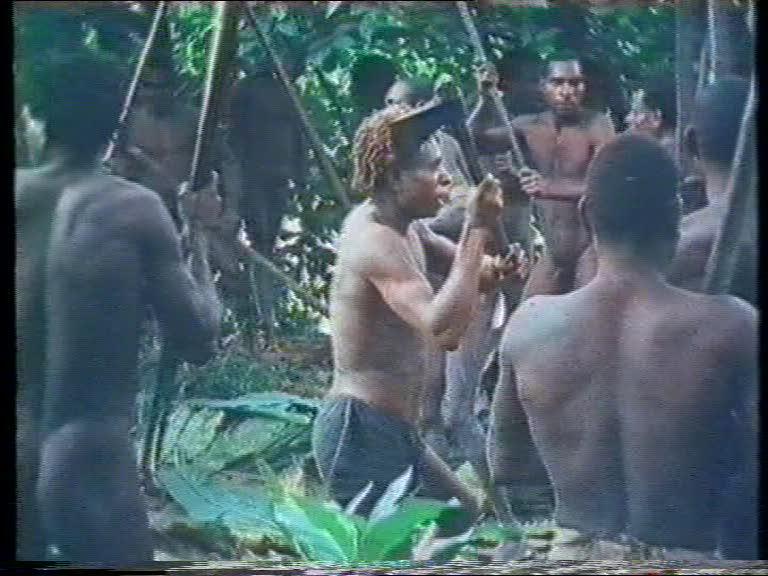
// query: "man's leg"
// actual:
[[438, 481], [88, 493]]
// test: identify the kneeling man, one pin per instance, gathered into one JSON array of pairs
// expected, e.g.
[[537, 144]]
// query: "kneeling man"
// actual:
[[385, 316]]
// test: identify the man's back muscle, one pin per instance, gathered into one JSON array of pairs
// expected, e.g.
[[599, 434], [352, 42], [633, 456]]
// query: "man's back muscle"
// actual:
[[645, 395]]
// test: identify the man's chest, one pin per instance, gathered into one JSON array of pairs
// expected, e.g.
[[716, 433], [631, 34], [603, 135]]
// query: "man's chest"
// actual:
[[565, 152]]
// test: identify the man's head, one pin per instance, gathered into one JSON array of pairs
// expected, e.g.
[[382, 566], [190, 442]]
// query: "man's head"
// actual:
[[78, 96], [564, 87], [156, 90], [716, 122], [653, 110], [415, 181], [632, 203], [410, 92]]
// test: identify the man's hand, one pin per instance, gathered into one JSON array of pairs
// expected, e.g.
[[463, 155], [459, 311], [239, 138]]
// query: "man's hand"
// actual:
[[204, 207], [485, 205], [499, 268], [487, 79], [532, 182]]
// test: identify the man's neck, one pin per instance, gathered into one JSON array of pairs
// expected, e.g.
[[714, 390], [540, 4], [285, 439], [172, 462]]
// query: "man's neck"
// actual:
[[388, 213], [617, 267], [574, 118], [59, 157]]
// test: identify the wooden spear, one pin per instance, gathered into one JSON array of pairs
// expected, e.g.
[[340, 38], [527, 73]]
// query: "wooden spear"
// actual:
[[740, 191], [118, 136], [220, 57]]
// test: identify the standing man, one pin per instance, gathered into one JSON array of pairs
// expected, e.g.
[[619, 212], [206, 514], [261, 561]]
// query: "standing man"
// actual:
[[160, 137], [93, 251], [644, 415], [712, 140], [561, 140], [385, 316]]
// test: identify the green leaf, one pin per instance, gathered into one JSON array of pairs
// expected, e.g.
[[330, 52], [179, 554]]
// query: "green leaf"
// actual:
[[359, 497], [315, 543], [335, 520], [392, 537], [387, 503]]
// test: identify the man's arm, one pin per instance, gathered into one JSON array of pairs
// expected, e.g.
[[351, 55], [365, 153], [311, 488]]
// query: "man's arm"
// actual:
[[444, 316], [186, 304], [738, 526], [514, 462], [441, 251]]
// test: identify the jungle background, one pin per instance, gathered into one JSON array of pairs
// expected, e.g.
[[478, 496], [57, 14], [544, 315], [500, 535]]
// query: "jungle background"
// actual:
[[234, 475]]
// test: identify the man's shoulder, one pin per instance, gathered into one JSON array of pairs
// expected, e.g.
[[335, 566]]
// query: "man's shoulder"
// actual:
[[726, 315], [531, 322], [362, 238]]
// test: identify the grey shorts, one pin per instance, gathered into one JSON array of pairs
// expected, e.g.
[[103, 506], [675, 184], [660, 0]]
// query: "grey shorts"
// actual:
[[354, 443]]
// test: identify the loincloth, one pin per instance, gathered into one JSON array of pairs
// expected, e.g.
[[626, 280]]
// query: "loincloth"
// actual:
[[355, 443], [570, 544]]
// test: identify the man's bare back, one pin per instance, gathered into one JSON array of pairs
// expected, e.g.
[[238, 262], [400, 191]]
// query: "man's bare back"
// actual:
[[646, 394], [639, 397]]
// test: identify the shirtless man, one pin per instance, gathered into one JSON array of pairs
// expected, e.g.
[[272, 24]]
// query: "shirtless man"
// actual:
[[160, 138], [712, 139], [653, 112], [639, 409], [92, 251], [385, 316], [561, 142]]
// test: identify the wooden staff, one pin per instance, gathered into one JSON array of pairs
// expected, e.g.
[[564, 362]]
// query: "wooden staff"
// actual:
[[740, 190], [314, 138], [221, 54], [118, 136], [496, 98]]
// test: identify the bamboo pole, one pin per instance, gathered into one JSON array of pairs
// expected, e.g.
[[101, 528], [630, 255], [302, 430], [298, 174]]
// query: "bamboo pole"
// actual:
[[741, 189], [116, 141]]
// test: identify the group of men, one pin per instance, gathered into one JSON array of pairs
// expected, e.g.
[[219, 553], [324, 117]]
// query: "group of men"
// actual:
[[621, 385], [635, 401]]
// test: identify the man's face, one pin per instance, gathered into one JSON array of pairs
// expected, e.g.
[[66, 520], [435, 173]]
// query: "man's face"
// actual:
[[424, 185], [641, 118], [156, 91], [564, 87]]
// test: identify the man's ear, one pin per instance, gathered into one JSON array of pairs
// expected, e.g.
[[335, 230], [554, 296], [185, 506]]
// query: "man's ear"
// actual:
[[583, 208], [690, 141]]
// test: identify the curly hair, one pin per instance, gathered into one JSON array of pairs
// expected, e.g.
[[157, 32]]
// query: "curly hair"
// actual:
[[372, 151]]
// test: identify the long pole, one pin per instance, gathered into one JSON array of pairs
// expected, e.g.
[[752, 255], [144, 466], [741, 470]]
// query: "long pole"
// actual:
[[741, 189], [221, 53], [117, 138], [477, 44]]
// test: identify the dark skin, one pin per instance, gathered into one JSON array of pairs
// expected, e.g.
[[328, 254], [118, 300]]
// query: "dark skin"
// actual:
[[662, 405], [383, 307], [562, 141], [266, 138], [113, 251], [36, 195], [159, 140], [699, 230]]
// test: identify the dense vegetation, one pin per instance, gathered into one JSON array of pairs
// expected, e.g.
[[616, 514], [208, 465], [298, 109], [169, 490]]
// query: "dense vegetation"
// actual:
[[210, 442]]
